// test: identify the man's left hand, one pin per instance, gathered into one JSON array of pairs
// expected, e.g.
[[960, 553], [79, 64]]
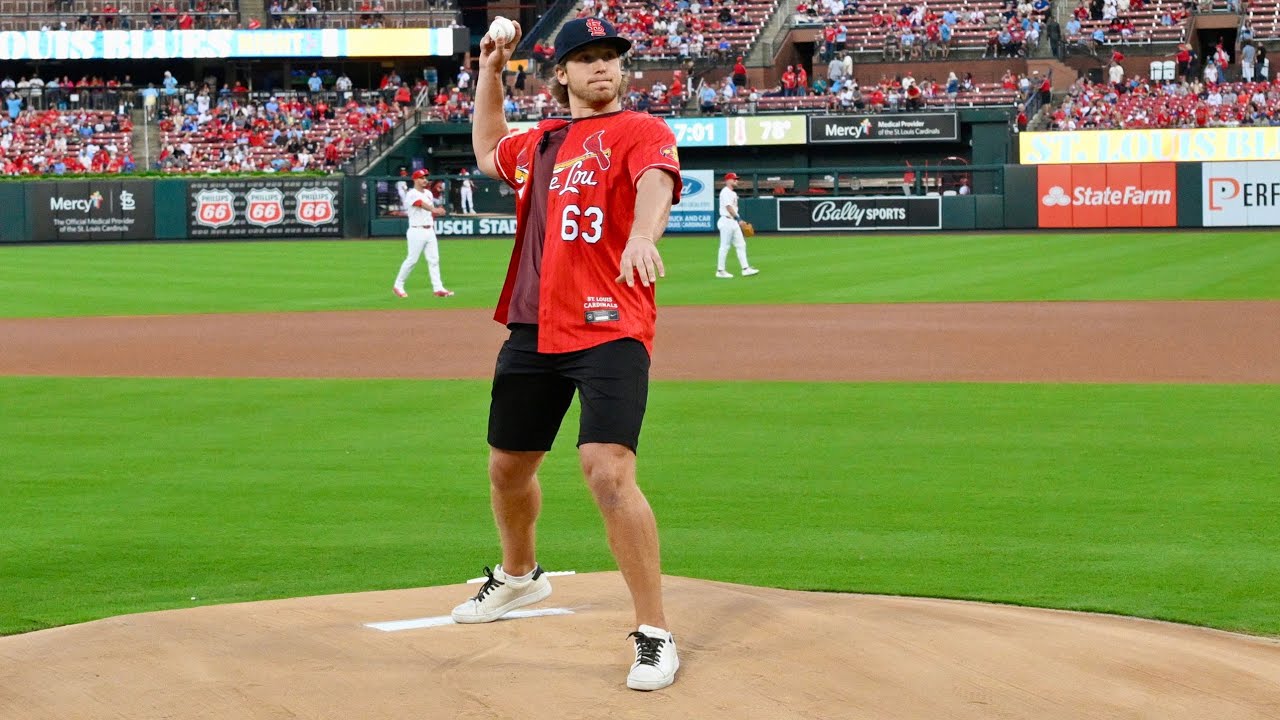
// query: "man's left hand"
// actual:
[[640, 257]]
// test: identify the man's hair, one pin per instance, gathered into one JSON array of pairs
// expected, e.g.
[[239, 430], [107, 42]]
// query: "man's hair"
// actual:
[[561, 92]]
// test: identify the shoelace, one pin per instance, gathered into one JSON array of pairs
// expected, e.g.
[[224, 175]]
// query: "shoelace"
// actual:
[[489, 585], [647, 648]]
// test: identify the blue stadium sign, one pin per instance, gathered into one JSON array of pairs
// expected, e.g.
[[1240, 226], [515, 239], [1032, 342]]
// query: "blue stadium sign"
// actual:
[[188, 44]]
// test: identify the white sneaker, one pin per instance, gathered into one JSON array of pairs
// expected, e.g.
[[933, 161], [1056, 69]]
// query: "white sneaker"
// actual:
[[499, 596], [747, 272], [656, 660], [723, 274]]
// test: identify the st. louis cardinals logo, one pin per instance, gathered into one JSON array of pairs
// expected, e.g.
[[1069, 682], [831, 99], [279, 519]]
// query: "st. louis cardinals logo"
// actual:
[[595, 27], [594, 146], [568, 175]]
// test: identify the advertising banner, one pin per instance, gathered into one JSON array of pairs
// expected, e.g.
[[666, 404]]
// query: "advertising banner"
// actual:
[[860, 213], [726, 132], [1117, 195], [265, 207], [92, 210], [698, 203], [164, 44], [1243, 194], [503, 225], [1148, 146], [890, 127]]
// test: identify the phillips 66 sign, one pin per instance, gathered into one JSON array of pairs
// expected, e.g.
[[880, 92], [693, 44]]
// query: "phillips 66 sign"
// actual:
[[265, 208]]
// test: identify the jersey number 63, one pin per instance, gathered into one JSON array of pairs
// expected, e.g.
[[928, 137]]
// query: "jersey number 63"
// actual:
[[587, 223]]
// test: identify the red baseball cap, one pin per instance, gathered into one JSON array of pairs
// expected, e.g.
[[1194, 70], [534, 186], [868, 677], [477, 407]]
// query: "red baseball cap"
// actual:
[[421, 173], [731, 176]]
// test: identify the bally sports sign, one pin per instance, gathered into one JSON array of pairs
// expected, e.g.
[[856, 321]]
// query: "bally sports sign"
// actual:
[[265, 208], [1108, 195], [860, 213]]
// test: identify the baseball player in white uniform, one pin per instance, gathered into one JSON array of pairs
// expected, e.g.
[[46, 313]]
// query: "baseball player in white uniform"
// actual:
[[730, 231], [468, 193], [420, 205]]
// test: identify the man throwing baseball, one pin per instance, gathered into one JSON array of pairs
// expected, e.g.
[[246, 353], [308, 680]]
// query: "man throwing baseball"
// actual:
[[593, 195], [420, 205], [730, 225]]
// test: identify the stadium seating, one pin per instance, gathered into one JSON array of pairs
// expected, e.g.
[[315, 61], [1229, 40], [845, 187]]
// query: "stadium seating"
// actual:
[[867, 34], [1149, 25], [222, 14], [214, 146], [706, 34], [35, 140], [1173, 105], [126, 15], [362, 13]]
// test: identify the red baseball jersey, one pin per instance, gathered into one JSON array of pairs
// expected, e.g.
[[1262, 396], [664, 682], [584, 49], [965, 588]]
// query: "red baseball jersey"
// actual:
[[590, 208]]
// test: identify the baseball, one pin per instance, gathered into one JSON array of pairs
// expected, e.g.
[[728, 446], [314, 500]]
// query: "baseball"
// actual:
[[502, 30]]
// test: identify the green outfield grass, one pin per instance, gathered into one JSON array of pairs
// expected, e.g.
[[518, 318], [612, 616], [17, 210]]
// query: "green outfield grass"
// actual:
[[129, 279], [123, 495]]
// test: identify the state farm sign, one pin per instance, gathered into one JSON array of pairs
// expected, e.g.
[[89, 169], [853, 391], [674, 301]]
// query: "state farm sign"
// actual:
[[1108, 195]]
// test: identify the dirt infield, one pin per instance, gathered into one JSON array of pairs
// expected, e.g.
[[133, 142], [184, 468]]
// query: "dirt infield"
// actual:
[[1007, 342], [746, 652]]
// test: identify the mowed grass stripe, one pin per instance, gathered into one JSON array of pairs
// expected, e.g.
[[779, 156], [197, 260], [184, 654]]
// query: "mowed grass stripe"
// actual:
[[140, 279], [136, 494]]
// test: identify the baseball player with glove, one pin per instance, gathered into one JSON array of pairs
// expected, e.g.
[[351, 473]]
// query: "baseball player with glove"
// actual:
[[420, 205], [593, 196], [733, 229]]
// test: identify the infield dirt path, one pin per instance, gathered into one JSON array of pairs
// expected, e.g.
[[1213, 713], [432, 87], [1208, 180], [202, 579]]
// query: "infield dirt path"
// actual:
[[747, 652], [1007, 342]]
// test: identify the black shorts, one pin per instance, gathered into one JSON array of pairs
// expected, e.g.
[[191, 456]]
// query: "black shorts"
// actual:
[[532, 392]]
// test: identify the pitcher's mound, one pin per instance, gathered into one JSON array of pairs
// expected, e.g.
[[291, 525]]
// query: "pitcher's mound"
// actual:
[[746, 652]]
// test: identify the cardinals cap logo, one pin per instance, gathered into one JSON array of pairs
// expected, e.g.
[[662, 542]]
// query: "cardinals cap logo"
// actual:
[[595, 28]]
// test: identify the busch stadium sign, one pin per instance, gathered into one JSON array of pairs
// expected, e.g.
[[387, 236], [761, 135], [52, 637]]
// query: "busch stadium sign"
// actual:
[[92, 210], [888, 127], [265, 208], [859, 213], [464, 226]]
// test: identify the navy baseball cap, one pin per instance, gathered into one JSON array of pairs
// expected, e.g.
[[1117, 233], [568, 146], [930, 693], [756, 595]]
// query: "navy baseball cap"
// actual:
[[584, 31]]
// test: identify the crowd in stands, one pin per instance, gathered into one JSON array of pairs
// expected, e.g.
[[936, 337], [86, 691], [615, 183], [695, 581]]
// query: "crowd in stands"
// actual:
[[50, 15], [1096, 23], [1219, 96], [225, 131], [917, 31], [64, 127], [153, 15], [716, 29], [53, 142]]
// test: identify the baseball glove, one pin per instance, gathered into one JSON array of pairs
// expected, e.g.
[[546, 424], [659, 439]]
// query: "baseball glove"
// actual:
[[748, 229]]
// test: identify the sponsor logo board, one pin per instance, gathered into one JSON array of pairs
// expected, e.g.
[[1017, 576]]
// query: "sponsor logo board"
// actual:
[[860, 213], [265, 208], [1241, 194], [93, 210], [463, 226], [1108, 196], [699, 203], [890, 127]]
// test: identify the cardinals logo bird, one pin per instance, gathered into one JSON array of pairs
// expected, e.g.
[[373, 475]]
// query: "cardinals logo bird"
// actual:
[[594, 145]]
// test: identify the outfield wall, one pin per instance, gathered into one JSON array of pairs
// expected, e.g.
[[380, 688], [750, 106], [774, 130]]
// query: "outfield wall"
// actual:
[[107, 209], [1058, 195]]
